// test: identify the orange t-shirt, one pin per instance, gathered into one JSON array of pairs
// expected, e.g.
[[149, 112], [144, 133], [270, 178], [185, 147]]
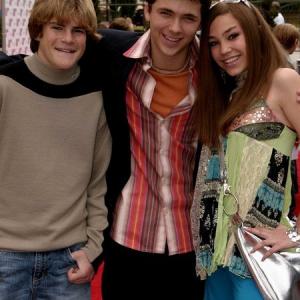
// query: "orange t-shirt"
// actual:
[[170, 89]]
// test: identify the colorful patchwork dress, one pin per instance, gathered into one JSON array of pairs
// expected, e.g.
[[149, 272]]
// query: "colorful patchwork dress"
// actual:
[[257, 157]]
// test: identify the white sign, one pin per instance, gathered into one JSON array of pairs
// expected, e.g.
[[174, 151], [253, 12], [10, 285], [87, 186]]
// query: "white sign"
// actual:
[[15, 37]]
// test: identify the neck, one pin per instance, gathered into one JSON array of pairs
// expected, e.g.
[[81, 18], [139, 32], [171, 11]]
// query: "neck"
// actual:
[[170, 70], [241, 78], [49, 74], [170, 64]]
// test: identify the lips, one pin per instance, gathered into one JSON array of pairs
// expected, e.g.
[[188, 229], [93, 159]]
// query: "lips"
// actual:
[[231, 60], [170, 39], [65, 50]]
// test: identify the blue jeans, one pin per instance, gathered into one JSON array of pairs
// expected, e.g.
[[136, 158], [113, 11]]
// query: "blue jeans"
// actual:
[[39, 276], [225, 285]]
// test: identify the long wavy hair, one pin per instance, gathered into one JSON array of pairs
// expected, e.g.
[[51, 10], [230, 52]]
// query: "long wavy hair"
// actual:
[[213, 113]]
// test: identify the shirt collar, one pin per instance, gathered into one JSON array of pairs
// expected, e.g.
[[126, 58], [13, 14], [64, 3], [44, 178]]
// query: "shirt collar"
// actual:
[[141, 51]]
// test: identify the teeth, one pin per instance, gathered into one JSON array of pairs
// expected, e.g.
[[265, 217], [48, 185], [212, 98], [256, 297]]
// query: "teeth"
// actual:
[[65, 50], [230, 60], [171, 39]]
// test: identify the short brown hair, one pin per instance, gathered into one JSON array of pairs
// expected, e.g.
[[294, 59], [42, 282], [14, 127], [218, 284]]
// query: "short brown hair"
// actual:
[[205, 5], [287, 34], [120, 23], [63, 10]]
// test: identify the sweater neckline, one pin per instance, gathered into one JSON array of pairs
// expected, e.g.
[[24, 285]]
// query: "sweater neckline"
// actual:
[[51, 75]]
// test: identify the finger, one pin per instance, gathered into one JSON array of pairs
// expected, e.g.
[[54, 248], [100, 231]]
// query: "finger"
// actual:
[[81, 281], [259, 231], [270, 251], [76, 275], [267, 254], [71, 274], [258, 246]]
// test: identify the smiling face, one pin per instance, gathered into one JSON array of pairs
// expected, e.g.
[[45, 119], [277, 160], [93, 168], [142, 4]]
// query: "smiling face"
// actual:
[[173, 25], [228, 44], [61, 45]]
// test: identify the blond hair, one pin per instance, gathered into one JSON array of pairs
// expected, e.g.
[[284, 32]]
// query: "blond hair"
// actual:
[[82, 11]]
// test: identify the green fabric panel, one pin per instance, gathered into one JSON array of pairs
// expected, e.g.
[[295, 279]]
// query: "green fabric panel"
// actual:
[[236, 142]]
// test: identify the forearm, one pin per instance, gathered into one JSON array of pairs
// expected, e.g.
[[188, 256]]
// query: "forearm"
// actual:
[[96, 209]]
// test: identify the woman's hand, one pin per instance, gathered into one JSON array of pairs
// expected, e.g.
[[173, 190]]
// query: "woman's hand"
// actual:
[[276, 239]]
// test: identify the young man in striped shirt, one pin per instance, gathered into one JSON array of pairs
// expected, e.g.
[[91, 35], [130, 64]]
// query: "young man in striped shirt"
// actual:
[[150, 178]]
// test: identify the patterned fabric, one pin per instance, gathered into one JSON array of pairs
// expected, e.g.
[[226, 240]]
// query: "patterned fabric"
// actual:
[[154, 208], [257, 158]]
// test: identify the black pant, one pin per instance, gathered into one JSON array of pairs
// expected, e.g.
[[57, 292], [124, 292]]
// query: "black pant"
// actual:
[[134, 275]]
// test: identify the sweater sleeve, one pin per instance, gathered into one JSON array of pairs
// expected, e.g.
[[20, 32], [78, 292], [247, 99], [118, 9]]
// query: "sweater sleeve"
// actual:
[[96, 209]]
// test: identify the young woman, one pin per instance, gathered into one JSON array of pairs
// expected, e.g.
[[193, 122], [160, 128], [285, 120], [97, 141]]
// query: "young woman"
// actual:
[[249, 96]]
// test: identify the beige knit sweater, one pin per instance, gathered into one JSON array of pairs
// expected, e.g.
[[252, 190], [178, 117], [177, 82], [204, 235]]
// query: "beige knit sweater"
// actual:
[[54, 151]]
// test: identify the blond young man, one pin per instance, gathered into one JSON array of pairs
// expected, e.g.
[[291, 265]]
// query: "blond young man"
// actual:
[[54, 151]]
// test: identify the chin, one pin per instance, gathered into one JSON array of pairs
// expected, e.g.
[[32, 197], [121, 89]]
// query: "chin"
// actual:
[[66, 66], [234, 73]]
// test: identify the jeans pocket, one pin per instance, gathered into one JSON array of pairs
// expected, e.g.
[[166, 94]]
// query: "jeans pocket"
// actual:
[[72, 249], [69, 256]]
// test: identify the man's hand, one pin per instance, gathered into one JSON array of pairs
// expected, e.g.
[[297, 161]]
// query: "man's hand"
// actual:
[[84, 272]]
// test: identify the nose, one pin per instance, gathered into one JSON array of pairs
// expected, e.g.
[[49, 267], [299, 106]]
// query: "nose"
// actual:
[[225, 47], [175, 25], [67, 35]]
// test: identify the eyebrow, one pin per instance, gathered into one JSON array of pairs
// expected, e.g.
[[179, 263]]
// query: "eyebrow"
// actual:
[[191, 16], [225, 32], [61, 24], [171, 11]]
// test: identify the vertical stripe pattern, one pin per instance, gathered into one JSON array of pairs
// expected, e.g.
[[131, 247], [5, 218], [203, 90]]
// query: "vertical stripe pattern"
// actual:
[[153, 210]]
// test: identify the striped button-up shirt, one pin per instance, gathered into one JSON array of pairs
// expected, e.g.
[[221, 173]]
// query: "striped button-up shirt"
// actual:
[[153, 210]]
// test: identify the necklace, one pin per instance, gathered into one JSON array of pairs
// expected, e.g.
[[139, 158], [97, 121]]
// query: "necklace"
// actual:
[[235, 217], [169, 72]]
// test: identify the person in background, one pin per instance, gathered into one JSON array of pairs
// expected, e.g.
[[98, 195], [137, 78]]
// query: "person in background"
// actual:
[[121, 23], [288, 35], [138, 17], [54, 151], [248, 131], [267, 12], [131, 25], [103, 25], [152, 81], [278, 17], [296, 160], [295, 204]]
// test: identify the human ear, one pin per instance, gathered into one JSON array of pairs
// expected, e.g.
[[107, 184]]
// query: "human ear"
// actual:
[[147, 10]]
